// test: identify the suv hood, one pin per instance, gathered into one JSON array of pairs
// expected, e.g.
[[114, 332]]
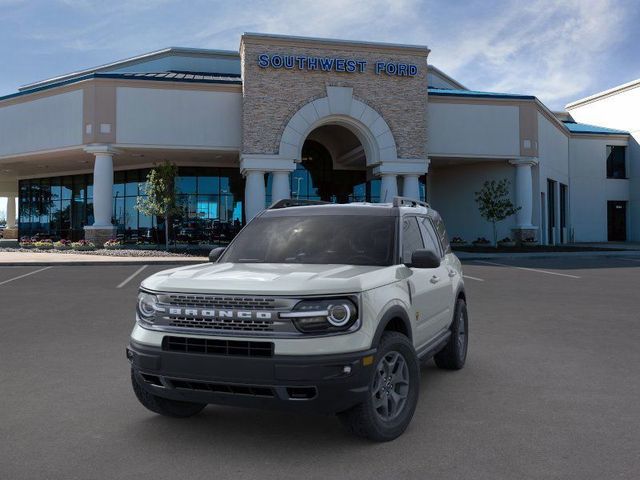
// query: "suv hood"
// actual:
[[271, 278]]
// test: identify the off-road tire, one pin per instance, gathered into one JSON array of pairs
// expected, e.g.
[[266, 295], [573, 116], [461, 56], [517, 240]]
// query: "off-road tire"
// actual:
[[454, 354], [164, 406], [364, 420]]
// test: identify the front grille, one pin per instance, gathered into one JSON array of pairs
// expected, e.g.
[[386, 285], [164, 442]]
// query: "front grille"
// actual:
[[222, 324], [234, 315], [234, 389], [217, 301], [217, 347]]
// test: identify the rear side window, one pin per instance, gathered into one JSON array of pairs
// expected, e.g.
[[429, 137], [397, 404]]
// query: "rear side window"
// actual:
[[411, 238], [430, 238], [442, 234]]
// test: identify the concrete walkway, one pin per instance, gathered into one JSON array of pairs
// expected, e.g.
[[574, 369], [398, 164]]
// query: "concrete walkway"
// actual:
[[593, 253], [33, 258]]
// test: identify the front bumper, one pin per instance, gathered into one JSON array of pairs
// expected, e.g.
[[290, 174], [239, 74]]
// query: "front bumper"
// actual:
[[314, 383]]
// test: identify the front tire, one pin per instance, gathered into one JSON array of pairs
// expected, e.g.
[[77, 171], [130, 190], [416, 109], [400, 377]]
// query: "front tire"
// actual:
[[164, 406], [454, 355], [393, 392]]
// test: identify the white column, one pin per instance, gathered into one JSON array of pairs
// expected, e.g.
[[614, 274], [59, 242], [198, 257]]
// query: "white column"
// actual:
[[280, 188], [388, 187], [11, 211], [254, 193], [411, 187], [524, 192], [103, 189]]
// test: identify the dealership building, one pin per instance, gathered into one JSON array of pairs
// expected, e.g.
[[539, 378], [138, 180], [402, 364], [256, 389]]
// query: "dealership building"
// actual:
[[306, 118]]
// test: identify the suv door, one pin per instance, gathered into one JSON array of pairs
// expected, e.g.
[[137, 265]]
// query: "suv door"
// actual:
[[430, 287], [435, 240]]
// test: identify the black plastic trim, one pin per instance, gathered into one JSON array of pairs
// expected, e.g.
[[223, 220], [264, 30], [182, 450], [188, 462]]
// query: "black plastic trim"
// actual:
[[393, 312]]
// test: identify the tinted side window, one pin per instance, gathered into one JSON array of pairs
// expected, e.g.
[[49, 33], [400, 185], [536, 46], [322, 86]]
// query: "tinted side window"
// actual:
[[411, 238], [442, 234], [430, 237]]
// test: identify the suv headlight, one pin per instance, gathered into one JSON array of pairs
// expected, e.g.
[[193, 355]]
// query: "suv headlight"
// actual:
[[146, 307], [324, 315]]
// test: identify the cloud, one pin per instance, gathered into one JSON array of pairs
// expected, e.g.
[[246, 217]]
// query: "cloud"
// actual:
[[549, 49], [557, 50]]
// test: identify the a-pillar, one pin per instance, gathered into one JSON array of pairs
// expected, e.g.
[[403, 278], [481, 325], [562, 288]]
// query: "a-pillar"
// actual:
[[524, 228], [102, 228]]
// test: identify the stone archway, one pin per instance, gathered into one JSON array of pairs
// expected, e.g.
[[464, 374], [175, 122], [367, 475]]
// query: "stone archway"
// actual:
[[340, 108]]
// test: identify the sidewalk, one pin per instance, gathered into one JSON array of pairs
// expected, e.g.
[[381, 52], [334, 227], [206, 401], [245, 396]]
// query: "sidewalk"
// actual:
[[36, 259], [465, 256]]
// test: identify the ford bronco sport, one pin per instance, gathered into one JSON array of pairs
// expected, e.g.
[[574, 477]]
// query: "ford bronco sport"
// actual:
[[322, 308]]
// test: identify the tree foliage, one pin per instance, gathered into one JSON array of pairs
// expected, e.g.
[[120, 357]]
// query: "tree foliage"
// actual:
[[494, 203], [160, 194]]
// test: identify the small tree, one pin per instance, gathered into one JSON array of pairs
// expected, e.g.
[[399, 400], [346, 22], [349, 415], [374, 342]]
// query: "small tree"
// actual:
[[494, 203], [161, 198]]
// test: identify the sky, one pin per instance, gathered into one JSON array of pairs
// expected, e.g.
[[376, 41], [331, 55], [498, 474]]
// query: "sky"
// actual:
[[557, 50]]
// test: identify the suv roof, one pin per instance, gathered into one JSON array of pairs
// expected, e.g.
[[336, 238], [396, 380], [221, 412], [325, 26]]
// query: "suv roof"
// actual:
[[292, 207]]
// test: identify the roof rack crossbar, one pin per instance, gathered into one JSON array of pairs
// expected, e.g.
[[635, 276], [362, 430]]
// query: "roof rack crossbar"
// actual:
[[290, 202], [409, 202]]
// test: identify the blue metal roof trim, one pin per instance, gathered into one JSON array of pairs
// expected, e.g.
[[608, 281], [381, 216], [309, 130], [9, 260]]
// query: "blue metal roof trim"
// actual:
[[575, 127], [161, 77], [447, 92]]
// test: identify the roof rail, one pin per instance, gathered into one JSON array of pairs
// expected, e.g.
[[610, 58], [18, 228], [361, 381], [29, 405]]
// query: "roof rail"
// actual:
[[409, 202], [290, 202]]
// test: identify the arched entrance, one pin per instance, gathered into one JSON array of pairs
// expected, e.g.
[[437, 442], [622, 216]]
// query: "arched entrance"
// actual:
[[333, 168], [335, 148]]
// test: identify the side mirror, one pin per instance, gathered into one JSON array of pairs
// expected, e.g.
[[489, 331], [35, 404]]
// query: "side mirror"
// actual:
[[215, 254], [424, 258]]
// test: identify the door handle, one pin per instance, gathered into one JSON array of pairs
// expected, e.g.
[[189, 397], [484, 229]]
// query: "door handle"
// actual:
[[434, 279], [452, 273]]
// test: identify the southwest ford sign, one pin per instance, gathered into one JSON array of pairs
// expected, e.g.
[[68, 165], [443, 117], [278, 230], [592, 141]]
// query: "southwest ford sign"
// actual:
[[332, 64]]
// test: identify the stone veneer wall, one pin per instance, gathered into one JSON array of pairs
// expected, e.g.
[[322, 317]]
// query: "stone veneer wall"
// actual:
[[271, 96]]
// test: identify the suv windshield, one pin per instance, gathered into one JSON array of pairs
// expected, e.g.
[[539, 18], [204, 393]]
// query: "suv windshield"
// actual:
[[337, 239]]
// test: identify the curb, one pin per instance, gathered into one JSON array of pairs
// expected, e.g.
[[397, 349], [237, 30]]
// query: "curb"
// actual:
[[563, 255], [89, 263]]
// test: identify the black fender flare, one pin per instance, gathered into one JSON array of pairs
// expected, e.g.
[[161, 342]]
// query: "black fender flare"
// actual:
[[394, 312], [460, 293]]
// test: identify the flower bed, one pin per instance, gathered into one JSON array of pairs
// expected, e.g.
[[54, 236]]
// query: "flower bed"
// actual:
[[62, 245], [113, 244], [481, 241], [83, 245], [506, 242]]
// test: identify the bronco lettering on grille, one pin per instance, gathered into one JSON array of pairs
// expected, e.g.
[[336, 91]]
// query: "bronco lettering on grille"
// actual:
[[209, 313]]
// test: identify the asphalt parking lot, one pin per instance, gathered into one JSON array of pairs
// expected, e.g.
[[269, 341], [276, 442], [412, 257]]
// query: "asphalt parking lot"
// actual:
[[551, 388]]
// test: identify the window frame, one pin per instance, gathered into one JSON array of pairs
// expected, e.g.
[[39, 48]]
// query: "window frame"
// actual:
[[401, 232], [433, 233], [625, 172]]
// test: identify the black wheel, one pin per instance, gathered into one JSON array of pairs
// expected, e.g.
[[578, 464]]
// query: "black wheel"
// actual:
[[393, 392], [454, 354], [164, 406]]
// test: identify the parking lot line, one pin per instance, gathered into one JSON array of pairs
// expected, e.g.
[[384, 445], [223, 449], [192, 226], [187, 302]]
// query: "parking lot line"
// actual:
[[25, 275], [132, 276], [473, 278], [527, 269]]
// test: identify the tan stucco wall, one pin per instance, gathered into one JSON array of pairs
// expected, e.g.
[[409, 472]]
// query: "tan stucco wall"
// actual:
[[271, 96]]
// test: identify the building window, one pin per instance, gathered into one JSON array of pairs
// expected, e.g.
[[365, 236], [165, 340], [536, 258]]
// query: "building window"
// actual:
[[210, 200], [616, 161]]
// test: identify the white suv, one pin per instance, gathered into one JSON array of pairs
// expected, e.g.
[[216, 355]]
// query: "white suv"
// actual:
[[313, 307]]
